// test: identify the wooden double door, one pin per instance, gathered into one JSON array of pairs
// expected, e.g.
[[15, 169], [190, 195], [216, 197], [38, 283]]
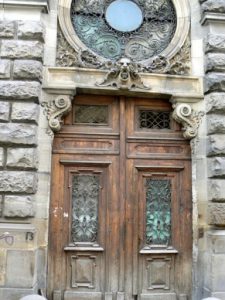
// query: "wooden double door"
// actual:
[[120, 212]]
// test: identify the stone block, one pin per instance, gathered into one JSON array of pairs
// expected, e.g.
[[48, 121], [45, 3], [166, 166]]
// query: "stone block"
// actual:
[[215, 62], [18, 182], [28, 112], [215, 82], [1, 157], [25, 158], [216, 213], [23, 90], [33, 30], [4, 111], [20, 269], [1, 207], [216, 145], [3, 256], [22, 49], [27, 69], [215, 42], [216, 167], [216, 190], [216, 123], [218, 267], [4, 68], [215, 102], [11, 133], [216, 6], [7, 29], [18, 207]]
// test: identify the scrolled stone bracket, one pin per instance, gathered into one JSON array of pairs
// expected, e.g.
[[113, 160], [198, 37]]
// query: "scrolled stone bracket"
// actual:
[[190, 120], [56, 109]]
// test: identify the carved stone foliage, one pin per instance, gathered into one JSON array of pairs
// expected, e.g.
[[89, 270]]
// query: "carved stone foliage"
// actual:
[[55, 110], [190, 120], [123, 75], [68, 57]]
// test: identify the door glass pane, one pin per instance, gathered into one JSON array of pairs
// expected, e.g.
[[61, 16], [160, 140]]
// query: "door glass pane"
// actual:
[[91, 114], [85, 196], [158, 211], [154, 119]]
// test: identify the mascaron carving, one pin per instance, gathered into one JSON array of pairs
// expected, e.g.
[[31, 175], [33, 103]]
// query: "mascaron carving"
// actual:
[[55, 110], [190, 120], [124, 75]]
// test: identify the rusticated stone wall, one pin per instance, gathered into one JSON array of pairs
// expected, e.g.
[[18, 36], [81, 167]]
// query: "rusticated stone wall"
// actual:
[[21, 53], [213, 16]]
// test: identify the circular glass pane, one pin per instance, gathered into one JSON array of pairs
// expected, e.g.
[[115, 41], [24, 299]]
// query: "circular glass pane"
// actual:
[[124, 15]]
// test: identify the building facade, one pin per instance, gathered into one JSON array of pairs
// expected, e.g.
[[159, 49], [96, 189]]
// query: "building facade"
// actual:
[[112, 149]]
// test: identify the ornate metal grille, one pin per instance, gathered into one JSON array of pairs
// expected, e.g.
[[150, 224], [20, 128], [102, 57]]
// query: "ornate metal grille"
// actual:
[[154, 119], [150, 39], [85, 195], [158, 211], [94, 114]]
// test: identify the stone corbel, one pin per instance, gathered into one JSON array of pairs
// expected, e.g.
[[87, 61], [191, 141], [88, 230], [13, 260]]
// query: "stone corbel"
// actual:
[[189, 119], [56, 109]]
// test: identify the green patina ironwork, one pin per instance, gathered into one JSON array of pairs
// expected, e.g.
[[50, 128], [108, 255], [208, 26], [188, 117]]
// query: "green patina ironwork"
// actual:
[[158, 211], [150, 39], [85, 196]]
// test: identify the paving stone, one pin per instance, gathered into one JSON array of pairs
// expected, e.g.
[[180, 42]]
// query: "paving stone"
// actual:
[[216, 213], [25, 158], [216, 167], [4, 68], [27, 69], [28, 112], [7, 29], [215, 62], [216, 123], [18, 207], [31, 30], [4, 111], [216, 6], [22, 49], [216, 144], [17, 90], [20, 269], [1, 156], [215, 42], [215, 82], [215, 102], [18, 182], [216, 190], [12, 133]]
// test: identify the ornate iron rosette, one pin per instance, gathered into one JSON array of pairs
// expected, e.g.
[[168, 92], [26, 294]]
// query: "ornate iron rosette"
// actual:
[[142, 29]]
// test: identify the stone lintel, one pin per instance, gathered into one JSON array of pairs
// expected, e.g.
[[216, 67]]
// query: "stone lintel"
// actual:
[[41, 4], [68, 80]]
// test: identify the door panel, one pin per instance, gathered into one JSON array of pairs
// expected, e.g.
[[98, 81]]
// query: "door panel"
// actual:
[[120, 214]]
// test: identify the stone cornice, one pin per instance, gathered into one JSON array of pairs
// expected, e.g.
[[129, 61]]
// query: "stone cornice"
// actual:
[[41, 4], [212, 17]]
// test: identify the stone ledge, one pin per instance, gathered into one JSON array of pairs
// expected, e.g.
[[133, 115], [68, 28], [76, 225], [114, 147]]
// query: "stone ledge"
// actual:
[[41, 4]]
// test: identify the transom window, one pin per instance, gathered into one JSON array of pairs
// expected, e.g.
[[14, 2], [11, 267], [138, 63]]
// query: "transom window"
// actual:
[[137, 29]]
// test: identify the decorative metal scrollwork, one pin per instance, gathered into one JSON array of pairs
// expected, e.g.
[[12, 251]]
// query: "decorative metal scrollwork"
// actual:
[[148, 40]]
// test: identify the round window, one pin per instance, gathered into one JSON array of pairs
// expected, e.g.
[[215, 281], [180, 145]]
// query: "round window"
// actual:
[[137, 29]]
